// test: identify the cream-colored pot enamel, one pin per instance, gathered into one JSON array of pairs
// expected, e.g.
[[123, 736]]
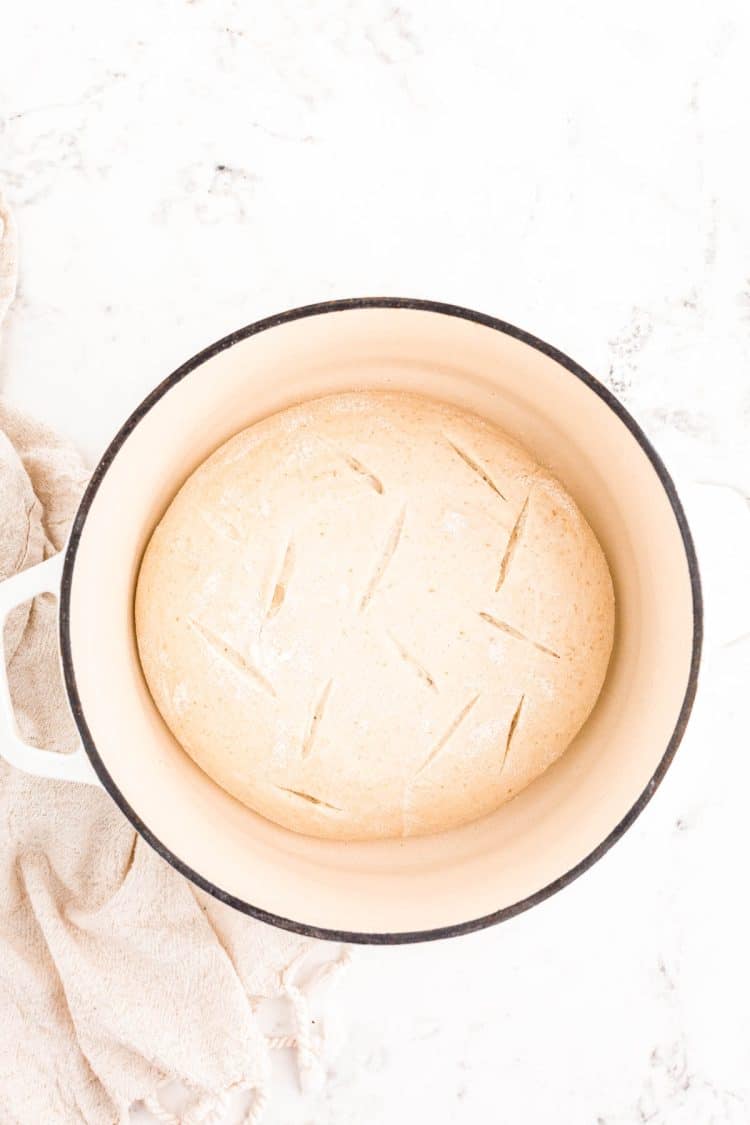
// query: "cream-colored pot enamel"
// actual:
[[382, 891]]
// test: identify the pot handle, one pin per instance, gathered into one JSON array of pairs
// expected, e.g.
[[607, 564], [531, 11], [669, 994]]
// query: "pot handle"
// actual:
[[42, 578]]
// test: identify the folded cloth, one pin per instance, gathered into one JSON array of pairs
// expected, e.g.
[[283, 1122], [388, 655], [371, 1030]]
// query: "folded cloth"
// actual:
[[116, 974]]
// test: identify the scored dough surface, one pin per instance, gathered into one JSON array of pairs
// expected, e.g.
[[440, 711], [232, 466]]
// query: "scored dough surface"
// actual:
[[373, 615]]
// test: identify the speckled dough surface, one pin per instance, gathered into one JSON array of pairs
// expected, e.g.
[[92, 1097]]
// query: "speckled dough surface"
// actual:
[[373, 615]]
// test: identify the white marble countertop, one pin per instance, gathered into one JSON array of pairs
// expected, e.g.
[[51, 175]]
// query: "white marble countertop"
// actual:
[[179, 169]]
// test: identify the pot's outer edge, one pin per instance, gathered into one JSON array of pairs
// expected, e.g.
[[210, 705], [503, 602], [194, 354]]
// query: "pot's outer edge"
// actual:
[[341, 306]]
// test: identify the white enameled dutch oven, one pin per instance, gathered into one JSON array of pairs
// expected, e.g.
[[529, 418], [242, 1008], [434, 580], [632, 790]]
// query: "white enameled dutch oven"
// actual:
[[396, 890]]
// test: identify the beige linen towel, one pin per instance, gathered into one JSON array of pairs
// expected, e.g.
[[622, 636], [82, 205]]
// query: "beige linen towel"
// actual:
[[116, 974]]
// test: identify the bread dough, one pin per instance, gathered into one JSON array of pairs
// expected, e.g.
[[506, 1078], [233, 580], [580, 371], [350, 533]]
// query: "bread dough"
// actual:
[[373, 615]]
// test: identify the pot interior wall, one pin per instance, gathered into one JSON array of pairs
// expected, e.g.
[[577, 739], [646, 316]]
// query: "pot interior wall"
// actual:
[[399, 885]]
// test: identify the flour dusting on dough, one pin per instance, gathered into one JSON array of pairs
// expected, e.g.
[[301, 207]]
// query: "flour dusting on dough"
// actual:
[[379, 698], [454, 523], [180, 697]]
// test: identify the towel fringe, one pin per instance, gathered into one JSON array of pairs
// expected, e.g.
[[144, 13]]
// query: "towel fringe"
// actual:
[[305, 1040], [153, 1104], [307, 1044]]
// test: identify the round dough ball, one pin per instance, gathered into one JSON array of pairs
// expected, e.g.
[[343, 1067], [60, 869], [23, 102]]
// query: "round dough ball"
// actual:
[[373, 615]]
